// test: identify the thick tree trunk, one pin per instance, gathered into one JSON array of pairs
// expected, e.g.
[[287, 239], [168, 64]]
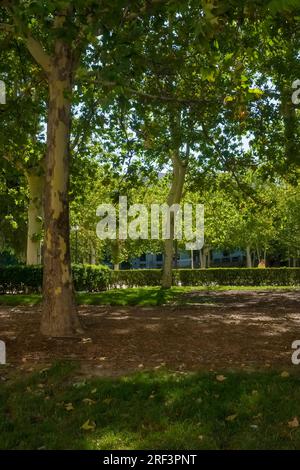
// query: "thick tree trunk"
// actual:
[[59, 311], [176, 254], [35, 215], [249, 259], [174, 197]]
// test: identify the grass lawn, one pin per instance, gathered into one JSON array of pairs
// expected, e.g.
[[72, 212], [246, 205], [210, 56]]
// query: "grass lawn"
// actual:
[[150, 410], [144, 296]]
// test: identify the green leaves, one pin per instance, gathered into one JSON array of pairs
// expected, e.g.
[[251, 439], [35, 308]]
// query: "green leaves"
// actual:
[[277, 6]]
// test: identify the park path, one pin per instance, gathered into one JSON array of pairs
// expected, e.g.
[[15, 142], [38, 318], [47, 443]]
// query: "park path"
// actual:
[[213, 331]]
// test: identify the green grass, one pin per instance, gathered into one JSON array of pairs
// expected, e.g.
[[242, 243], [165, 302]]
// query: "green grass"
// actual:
[[150, 410], [143, 296]]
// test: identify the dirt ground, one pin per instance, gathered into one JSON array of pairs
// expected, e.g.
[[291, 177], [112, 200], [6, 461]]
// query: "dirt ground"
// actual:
[[221, 330]]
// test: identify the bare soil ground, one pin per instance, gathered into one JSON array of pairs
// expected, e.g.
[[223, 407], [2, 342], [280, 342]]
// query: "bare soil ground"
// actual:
[[215, 330]]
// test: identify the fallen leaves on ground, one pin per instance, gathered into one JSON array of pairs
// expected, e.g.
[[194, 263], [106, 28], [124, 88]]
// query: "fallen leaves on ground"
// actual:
[[294, 423], [69, 407], [88, 401], [89, 425], [86, 340], [231, 418], [107, 401], [221, 378], [284, 374]]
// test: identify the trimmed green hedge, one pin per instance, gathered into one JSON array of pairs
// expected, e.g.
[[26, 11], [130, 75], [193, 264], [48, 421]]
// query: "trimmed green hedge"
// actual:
[[14, 279], [135, 277], [209, 277], [29, 279], [91, 278], [88, 278], [237, 277]]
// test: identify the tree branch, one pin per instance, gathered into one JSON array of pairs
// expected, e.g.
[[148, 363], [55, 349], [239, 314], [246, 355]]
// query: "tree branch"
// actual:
[[36, 50], [7, 27], [13, 162], [154, 97], [34, 47]]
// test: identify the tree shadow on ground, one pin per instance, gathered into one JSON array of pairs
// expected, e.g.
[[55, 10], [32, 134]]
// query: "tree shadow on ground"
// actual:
[[149, 410]]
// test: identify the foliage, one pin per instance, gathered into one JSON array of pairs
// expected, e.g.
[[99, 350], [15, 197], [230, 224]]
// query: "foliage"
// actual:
[[238, 277], [89, 278], [30, 278]]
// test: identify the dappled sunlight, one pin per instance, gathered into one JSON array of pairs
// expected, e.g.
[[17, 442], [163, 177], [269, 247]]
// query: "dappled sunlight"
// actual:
[[240, 329], [160, 410]]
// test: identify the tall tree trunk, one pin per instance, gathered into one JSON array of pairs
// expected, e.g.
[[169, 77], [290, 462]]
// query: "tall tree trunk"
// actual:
[[206, 255], [249, 259], [174, 197], [176, 254], [192, 259], [290, 121], [202, 259], [116, 252], [35, 215], [209, 258], [93, 255], [265, 256], [59, 316], [258, 254]]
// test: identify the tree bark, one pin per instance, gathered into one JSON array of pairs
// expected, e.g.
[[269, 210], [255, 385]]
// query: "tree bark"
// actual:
[[202, 259], [206, 254], [93, 255], [174, 197], [248, 254], [209, 258], [116, 252], [59, 316], [35, 215], [290, 121], [176, 254]]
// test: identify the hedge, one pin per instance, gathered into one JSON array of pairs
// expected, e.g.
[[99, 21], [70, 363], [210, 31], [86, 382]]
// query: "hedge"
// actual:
[[29, 279], [20, 279], [209, 277], [237, 277], [14, 279]]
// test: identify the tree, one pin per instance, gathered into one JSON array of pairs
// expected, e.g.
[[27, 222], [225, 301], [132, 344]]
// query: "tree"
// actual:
[[56, 34], [21, 134]]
